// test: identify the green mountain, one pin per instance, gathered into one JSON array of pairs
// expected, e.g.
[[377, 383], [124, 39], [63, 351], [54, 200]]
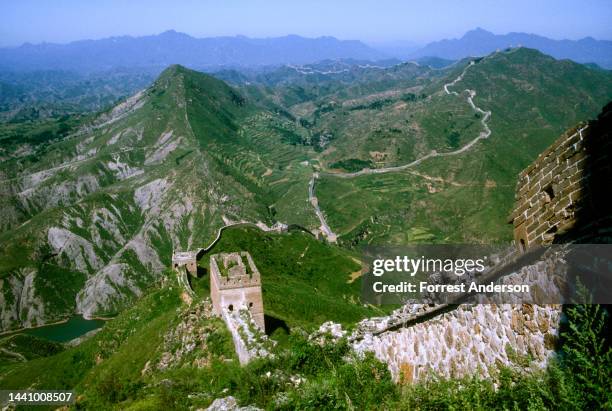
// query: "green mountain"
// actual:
[[532, 99], [160, 338], [92, 218], [93, 207]]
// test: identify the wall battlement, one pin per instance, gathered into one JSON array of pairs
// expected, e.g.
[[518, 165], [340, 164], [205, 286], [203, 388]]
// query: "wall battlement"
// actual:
[[187, 259], [235, 270]]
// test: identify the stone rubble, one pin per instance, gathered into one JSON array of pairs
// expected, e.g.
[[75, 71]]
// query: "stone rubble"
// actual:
[[249, 340], [328, 332], [229, 404], [188, 340]]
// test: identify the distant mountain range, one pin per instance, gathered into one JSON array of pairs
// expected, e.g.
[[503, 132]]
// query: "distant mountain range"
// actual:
[[157, 52], [172, 47], [480, 42]]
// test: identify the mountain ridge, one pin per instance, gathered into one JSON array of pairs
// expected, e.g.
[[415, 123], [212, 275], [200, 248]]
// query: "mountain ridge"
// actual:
[[172, 47], [479, 42], [106, 207]]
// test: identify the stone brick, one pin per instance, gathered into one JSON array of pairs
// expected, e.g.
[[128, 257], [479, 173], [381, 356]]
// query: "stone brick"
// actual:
[[518, 323], [550, 341], [531, 325], [543, 324], [406, 373]]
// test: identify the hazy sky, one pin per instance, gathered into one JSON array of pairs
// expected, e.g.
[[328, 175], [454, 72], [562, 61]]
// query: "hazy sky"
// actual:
[[62, 21]]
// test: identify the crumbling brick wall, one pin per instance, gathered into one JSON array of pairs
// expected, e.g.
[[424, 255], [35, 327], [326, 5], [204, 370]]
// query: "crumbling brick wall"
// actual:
[[560, 194]]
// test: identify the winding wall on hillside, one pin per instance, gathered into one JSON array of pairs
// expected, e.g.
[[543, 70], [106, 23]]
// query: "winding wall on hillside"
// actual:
[[484, 134]]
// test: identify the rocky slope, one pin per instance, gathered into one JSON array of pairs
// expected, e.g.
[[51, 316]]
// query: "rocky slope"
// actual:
[[92, 219]]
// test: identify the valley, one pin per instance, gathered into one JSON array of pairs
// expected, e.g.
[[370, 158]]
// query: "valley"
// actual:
[[367, 171]]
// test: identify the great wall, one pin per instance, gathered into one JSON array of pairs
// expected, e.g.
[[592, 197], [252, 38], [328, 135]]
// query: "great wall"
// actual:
[[558, 200], [560, 196], [235, 293]]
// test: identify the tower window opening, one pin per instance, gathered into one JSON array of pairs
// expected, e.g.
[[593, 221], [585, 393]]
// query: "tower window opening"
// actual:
[[549, 193]]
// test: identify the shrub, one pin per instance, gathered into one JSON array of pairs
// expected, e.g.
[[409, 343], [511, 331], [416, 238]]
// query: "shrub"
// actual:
[[587, 354]]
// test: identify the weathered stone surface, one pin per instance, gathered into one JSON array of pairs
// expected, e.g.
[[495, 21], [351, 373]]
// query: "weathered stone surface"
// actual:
[[518, 323], [555, 187], [451, 347], [406, 373], [531, 325], [229, 404], [543, 324], [550, 341]]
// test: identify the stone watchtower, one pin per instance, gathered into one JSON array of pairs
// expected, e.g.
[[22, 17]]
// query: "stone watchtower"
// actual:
[[235, 284], [187, 259]]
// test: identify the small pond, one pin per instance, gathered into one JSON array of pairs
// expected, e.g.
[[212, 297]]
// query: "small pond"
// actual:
[[63, 332]]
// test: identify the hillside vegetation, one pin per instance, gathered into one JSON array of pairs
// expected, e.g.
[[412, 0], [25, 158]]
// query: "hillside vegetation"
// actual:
[[160, 354], [94, 206], [465, 197]]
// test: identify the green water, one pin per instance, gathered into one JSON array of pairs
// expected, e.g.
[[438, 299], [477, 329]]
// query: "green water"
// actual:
[[71, 329]]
